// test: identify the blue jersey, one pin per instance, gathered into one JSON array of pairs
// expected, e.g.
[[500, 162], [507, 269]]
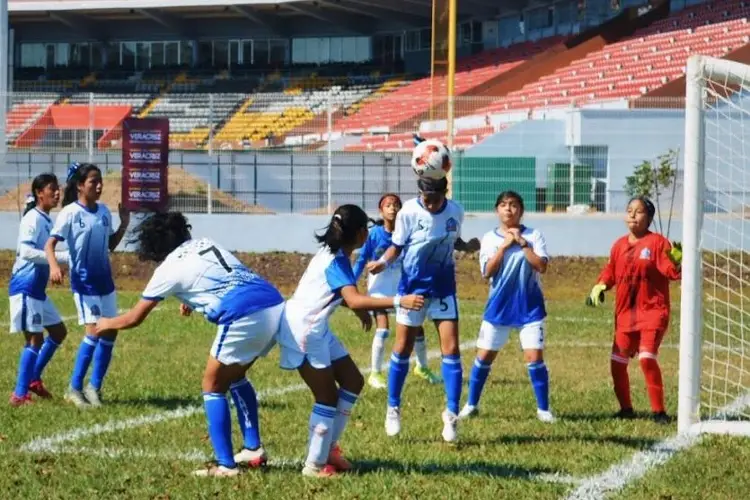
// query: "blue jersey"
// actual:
[[427, 241], [386, 282], [515, 297], [30, 275], [211, 281], [87, 234]]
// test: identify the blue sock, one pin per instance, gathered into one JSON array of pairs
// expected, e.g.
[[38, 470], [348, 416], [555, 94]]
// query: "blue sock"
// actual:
[[246, 403], [45, 355], [102, 358], [539, 377], [479, 373], [219, 427], [453, 380], [83, 360], [25, 370], [397, 372]]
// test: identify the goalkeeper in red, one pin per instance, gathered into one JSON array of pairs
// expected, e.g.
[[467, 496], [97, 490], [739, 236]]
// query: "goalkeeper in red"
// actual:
[[641, 265]]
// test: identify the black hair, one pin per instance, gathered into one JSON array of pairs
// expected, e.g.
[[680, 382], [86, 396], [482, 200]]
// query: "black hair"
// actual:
[[433, 186], [77, 174], [380, 222], [40, 182], [345, 224], [650, 208], [159, 234], [510, 195]]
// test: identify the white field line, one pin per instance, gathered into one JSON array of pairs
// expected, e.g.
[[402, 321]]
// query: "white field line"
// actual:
[[620, 475], [50, 444]]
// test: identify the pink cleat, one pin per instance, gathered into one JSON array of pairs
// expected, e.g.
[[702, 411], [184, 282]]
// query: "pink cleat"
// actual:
[[337, 461], [17, 401], [37, 387]]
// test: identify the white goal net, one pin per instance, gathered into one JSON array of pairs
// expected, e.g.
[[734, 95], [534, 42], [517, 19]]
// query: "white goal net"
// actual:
[[715, 305]]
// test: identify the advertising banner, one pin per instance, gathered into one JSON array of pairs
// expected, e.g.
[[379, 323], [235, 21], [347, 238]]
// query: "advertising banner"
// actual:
[[145, 159]]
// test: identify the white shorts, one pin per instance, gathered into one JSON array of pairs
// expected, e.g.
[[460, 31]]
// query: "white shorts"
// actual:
[[248, 338], [319, 350], [92, 307], [493, 338], [32, 315], [435, 309]]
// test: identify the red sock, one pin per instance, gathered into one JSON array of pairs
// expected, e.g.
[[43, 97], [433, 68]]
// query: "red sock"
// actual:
[[654, 383], [621, 381]]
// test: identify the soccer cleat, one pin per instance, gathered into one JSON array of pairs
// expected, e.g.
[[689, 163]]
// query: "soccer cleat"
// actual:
[[545, 416], [426, 374], [252, 458], [337, 461], [37, 387], [450, 424], [393, 421], [321, 472], [376, 380], [77, 398], [661, 418], [93, 395], [16, 401], [625, 414], [468, 411], [214, 470]]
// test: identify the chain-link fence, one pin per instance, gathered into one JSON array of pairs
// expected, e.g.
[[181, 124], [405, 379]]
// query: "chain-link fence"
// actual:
[[304, 151]]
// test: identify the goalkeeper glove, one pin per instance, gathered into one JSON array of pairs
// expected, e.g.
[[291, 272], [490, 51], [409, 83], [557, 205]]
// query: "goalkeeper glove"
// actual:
[[675, 253], [596, 297]]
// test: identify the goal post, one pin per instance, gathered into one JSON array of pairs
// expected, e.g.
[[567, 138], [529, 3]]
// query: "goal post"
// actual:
[[714, 365]]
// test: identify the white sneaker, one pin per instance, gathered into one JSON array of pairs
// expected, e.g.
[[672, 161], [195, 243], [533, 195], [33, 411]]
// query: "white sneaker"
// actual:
[[252, 458], [76, 397], [393, 421], [450, 422], [468, 411], [545, 416], [93, 395], [213, 470]]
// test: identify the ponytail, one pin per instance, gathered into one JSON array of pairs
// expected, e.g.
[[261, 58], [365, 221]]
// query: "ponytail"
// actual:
[[346, 223], [30, 203]]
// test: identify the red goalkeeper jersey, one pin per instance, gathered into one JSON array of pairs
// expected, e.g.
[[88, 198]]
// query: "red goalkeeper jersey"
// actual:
[[641, 272]]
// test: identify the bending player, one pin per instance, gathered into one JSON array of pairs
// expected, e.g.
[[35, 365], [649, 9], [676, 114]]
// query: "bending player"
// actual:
[[385, 284], [512, 257], [640, 265], [427, 230], [247, 310], [309, 346], [31, 310]]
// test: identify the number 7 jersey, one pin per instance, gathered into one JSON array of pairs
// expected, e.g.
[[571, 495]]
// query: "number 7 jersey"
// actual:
[[427, 240], [212, 281]]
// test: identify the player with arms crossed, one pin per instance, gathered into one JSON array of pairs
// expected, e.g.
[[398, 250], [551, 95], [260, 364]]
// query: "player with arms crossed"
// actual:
[[86, 226], [427, 230], [385, 284], [512, 257], [247, 310], [31, 310], [640, 265], [309, 346]]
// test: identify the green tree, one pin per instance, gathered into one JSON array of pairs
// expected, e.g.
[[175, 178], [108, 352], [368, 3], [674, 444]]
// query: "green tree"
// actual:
[[652, 179]]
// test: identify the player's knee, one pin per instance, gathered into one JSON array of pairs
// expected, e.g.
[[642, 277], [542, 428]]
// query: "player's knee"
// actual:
[[35, 340], [533, 355], [354, 383], [58, 333]]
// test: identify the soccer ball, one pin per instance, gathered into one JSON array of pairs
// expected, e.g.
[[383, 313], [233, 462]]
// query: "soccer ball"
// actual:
[[431, 159]]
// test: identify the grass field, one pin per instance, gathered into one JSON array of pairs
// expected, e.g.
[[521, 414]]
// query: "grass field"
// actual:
[[151, 433]]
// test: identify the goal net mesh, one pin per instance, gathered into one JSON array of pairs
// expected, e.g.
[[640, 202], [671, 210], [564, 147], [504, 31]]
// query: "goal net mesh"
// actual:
[[725, 242]]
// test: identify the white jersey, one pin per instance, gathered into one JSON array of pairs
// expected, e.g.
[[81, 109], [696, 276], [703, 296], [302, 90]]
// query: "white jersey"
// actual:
[[319, 293], [29, 277], [87, 234], [515, 297], [211, 281], [427, 241]]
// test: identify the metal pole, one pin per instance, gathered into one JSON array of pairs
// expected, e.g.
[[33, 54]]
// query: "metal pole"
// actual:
[[4, 59], [452, 20], [329, 190]]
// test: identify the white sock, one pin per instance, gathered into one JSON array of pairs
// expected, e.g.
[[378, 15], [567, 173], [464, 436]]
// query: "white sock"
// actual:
[[321, 427], [344, 407], [378, 349], [420, 350]]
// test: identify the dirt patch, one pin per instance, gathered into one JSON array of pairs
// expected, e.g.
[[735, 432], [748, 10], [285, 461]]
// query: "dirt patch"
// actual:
[[186, 192]]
